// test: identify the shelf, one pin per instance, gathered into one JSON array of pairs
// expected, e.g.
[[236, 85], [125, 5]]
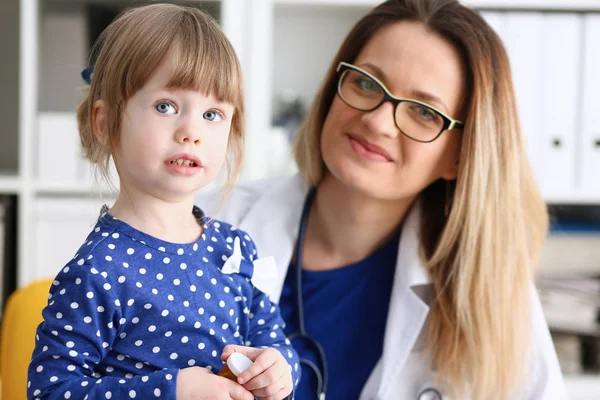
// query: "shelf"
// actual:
[[9, 184], [538, 5], [573, 198], [361, 3], [587, 331], [70, 189]]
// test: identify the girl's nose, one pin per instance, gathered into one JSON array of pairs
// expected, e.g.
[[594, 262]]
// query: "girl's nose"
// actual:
[[189, 132]]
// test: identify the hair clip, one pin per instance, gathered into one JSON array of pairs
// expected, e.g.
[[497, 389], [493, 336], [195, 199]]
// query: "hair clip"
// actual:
[[86, 74]]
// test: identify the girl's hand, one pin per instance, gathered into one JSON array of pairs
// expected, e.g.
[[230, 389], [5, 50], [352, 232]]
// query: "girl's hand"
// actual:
[[269, 377], [197, 383]]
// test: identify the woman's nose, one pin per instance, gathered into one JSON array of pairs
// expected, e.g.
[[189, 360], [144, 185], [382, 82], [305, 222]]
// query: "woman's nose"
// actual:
[[381, 120]]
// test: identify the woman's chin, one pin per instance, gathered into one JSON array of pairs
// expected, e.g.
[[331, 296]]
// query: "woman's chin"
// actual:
[[357, 178]]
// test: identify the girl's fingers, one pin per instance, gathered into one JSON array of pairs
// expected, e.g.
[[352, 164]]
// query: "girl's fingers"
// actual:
[[271, 389], [265, 379], [249, 352], [264, 361], [280, 395]]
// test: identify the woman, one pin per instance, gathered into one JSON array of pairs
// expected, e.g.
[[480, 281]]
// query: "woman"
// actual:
[[419, 219]]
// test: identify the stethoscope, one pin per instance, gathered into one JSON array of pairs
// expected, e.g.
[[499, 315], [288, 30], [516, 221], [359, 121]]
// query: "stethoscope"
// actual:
[[427, 393], [320, 372]]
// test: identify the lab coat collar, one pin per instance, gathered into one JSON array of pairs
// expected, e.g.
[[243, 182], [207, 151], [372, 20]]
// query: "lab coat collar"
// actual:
[[273, 223], [408, 311], [276, 234]]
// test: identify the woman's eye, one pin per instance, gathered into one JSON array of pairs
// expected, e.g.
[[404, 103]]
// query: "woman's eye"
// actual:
[[367, 84], [425, 112], [165, 107], [213, 116]]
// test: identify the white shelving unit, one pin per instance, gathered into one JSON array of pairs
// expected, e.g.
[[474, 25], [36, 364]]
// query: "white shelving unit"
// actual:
[[578, 5], [276, 43], [9, 184]]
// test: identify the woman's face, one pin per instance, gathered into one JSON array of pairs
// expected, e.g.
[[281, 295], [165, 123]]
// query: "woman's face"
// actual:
[[365, 150]]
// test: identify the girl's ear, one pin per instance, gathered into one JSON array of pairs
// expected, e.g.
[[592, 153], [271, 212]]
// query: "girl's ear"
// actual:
[[99, 121]]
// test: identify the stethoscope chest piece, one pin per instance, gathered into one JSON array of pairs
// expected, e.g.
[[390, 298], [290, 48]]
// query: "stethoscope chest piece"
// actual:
[[429, 394]]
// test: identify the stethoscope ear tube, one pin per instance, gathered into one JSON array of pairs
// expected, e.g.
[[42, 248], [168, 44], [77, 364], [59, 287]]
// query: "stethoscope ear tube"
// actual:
[[301, 333]]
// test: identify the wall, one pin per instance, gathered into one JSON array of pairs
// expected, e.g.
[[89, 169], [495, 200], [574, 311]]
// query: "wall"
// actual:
[[312, 34]]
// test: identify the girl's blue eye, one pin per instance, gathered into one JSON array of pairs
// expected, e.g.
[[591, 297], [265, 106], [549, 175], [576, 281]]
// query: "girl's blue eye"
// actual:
[[213, 116], [165, 107]]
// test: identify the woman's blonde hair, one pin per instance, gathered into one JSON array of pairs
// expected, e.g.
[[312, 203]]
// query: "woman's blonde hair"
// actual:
[[134, 45], [480, 255]]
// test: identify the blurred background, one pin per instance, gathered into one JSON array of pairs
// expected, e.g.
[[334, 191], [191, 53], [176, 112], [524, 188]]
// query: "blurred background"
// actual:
[[49, 199]]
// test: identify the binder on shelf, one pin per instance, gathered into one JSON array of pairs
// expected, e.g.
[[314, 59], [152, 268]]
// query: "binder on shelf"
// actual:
[[497, 21], [568, 351], [571, 304], [522, 35], [590, 106], [569, 274], [58, 147], [573, 243], [558, 96]]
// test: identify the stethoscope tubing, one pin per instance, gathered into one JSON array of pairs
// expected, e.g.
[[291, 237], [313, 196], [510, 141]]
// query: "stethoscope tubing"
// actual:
[[321, 374]]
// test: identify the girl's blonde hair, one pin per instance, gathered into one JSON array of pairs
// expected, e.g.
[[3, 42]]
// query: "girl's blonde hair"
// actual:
[[133, 46], [480, 255]]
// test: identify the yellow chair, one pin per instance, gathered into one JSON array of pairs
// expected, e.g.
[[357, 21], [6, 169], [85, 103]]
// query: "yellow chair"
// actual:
[[22, 315]]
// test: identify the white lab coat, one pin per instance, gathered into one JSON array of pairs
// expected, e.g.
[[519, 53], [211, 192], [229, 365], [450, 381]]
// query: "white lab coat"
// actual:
[[270, 211]]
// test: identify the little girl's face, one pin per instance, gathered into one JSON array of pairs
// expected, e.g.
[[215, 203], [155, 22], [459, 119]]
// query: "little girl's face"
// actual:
[[172, 141]]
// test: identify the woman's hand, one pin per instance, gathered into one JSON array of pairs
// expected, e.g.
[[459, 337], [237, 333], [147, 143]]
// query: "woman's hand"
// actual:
[[269, 377], [197, 383]]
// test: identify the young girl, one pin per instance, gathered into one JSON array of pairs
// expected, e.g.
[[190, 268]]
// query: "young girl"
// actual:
[[157, 291]]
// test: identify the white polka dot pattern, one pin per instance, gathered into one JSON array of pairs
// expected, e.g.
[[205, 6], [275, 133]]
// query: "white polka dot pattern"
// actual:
[[130, 310]]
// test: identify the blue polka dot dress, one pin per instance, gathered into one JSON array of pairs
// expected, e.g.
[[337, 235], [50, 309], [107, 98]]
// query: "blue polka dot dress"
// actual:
[[130, 310]]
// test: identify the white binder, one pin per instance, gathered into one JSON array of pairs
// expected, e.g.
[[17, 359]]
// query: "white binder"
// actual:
[[58, 158], [559, 123], [522, 37], [589, 165], [497, 20]]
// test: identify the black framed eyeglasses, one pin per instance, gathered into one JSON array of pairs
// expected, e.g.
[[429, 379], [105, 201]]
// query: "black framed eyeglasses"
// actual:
[[415, 119]]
